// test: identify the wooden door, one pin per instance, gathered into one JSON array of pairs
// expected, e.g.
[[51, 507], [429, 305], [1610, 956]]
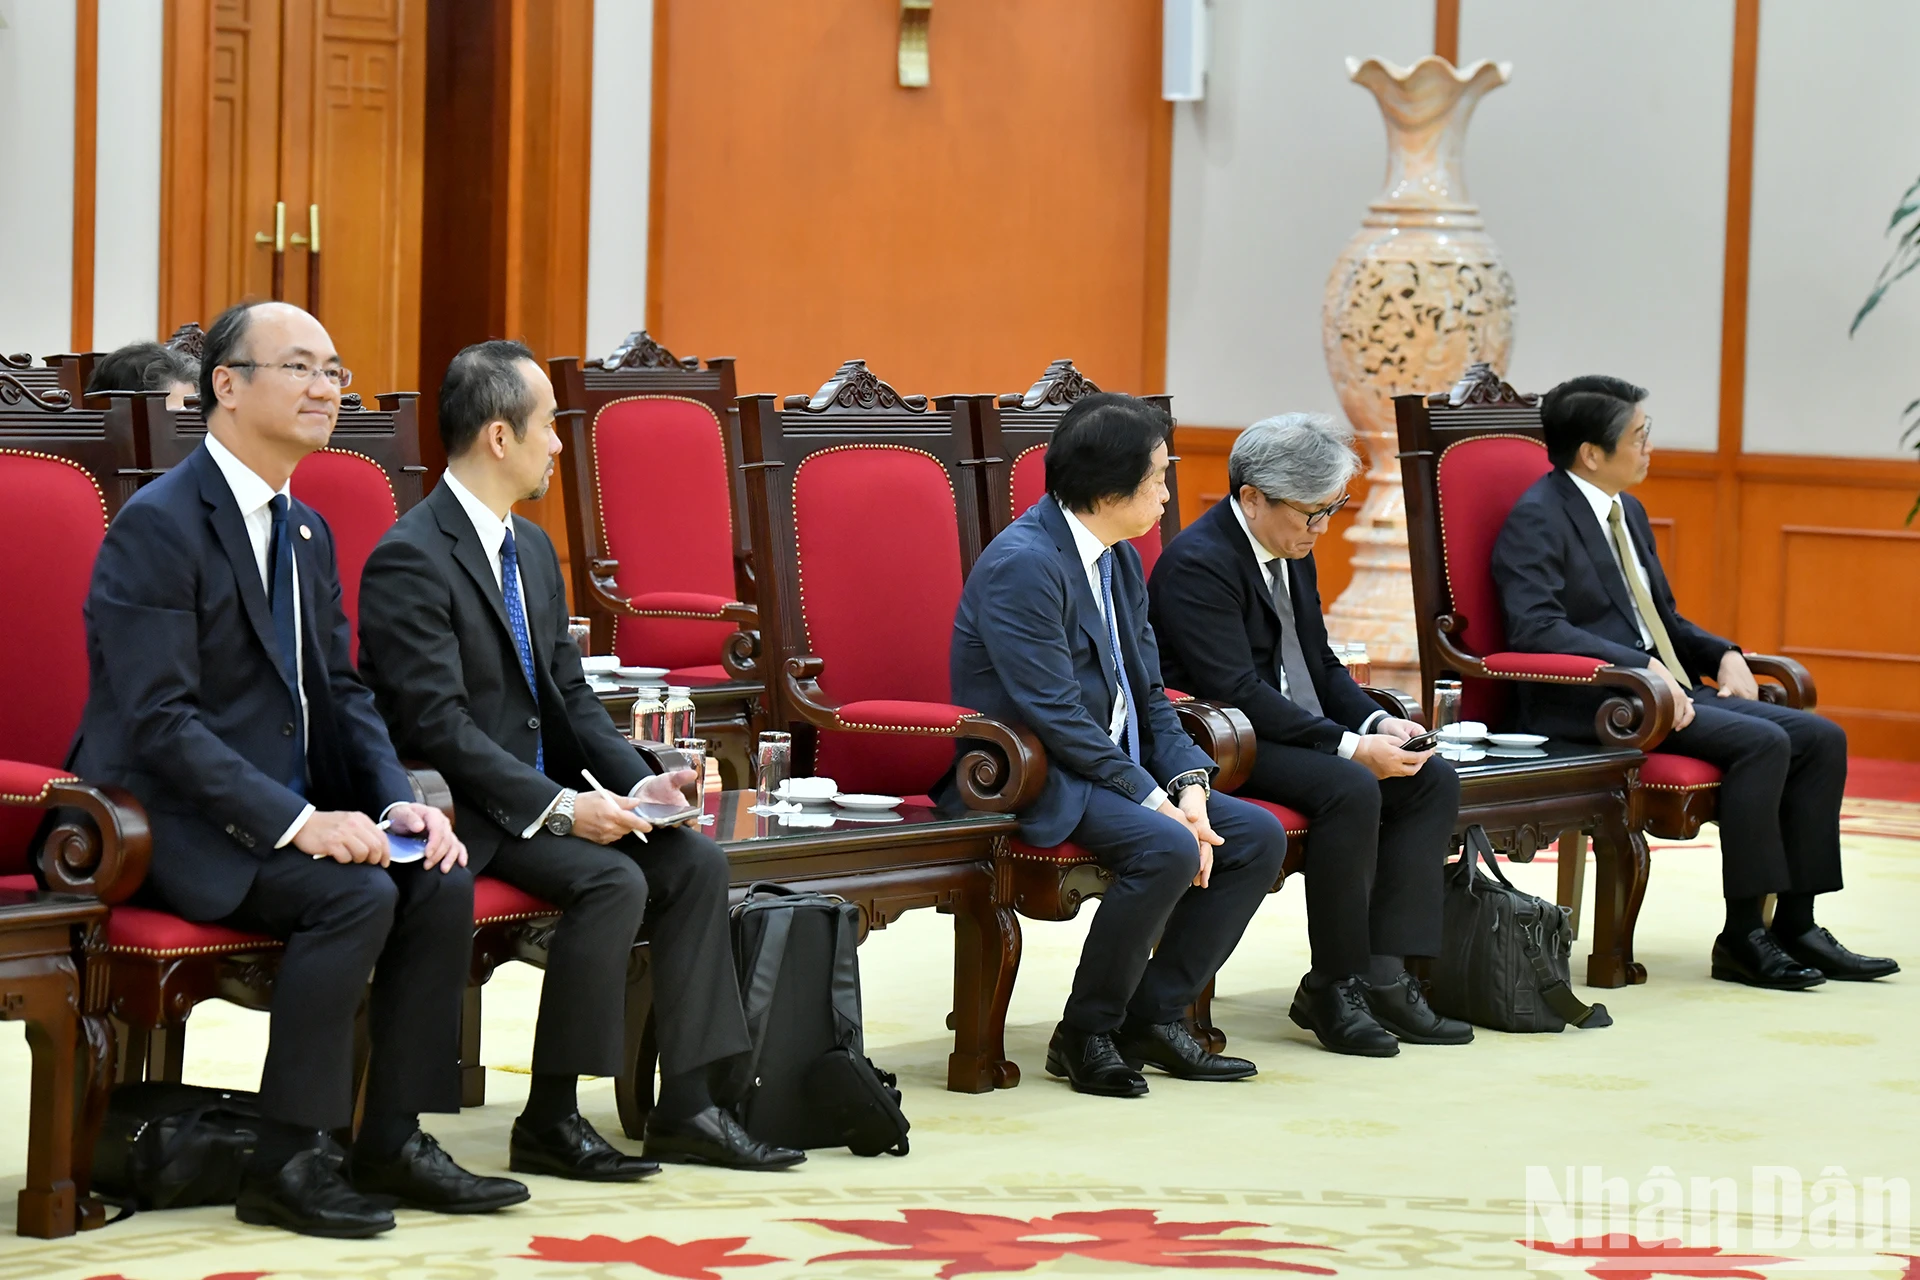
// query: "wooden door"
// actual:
[[316, 106]]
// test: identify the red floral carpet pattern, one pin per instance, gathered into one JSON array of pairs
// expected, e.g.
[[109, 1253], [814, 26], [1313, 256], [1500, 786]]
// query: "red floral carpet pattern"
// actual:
[[984, 1243], [1623, 1257], [695, 1260]]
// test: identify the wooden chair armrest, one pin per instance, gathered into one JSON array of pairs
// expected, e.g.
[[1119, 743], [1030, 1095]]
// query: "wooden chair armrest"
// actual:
[[103, 849], [1796, 682], [430, 788], [1639, 715], [740, 655], [1222, 732], [1394, 703], [1002, 775]]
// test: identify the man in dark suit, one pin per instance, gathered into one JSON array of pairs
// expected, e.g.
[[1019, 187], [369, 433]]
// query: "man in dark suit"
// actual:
[[1578, 573], [1237, 609], [463, 636], [1052, 633], [222, 697]]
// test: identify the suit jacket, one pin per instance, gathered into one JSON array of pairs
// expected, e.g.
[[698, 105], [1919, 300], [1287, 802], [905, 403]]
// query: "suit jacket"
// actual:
[[436, 647], [1029, 647], [188, 707], [1220, 635], [1562, 592]]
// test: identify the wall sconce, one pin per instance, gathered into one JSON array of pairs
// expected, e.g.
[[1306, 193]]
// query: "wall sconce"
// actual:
[[916, 70]]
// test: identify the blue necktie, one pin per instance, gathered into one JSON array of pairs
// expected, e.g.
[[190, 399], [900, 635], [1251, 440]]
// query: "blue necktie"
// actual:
[[517, 619], [1119, 662], [280, 599]]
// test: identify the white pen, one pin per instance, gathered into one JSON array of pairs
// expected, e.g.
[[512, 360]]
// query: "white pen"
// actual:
[[595, 784]]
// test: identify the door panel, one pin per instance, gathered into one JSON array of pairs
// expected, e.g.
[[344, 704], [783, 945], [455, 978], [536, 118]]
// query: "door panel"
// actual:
[[242, 152]]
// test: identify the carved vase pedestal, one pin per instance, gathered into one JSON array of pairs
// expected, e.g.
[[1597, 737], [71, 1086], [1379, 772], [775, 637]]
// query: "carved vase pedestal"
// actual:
[[1417, 295]]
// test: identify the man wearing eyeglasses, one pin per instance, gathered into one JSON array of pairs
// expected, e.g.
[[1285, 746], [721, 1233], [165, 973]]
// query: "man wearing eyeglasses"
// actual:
[[1578, 573], [221, 695], [1236, 605]]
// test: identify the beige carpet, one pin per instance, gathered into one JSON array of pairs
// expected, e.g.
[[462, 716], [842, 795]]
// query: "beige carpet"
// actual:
[[1321, 1165]]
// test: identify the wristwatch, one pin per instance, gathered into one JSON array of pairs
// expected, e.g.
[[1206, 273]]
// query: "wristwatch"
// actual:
[[560, 820], [1191, 778]]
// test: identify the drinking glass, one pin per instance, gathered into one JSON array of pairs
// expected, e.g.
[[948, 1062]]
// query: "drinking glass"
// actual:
[[695, 750], [1446, 704], [771, 764], [581, 629], [1359, 666]]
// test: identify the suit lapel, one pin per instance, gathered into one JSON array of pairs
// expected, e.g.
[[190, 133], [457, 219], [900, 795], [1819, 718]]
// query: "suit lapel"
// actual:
[[1599, 549], [467, 552], [223, 513], [1085, 608]]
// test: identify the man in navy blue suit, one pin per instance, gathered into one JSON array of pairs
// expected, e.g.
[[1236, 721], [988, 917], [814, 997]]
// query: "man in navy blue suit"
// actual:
[[221, 695], [1052, 633]]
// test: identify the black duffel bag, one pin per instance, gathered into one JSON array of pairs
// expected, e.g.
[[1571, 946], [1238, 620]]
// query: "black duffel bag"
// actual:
[[1503, 961], [171, 1146], [809, 1081]]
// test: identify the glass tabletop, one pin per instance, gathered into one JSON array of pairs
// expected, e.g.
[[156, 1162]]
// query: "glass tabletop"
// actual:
[[735, 824], [1484, 758], [37, 900]]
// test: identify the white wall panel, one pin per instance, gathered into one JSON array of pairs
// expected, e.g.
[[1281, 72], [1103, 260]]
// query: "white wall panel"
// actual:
[[617, 209], [1834, 147], [126, 217], [36, 159], [1271, 175], [1601, 168]]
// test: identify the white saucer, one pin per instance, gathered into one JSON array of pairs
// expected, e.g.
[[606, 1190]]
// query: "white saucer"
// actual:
[[640, 673], [1463, 753], [1517, 739], [867, 803], [867, 815]]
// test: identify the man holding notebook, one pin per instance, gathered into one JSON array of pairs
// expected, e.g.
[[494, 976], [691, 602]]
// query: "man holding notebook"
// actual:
[[463, 637]]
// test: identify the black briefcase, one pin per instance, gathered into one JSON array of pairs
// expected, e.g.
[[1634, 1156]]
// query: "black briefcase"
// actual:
[[1504, 954], [169, 1146]]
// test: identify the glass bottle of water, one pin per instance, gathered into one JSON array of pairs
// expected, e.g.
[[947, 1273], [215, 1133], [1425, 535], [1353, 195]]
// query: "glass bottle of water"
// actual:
[[650, 716], [680, 715]]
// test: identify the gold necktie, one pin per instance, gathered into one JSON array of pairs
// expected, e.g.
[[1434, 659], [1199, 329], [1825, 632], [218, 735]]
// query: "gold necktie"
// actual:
[[1642, 598]]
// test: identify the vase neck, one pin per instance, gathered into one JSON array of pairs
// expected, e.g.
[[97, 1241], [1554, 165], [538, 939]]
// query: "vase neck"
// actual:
[[1426, 111]]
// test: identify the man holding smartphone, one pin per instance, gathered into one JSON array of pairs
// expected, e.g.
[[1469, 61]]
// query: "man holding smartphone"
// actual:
[[463, 637], [1237, 609]]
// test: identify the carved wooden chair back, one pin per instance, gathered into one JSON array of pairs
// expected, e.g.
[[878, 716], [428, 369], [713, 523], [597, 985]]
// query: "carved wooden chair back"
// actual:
[[53, 514], [1011, 433], [66, 372], [100, 435], [864, 527], [655, 509]]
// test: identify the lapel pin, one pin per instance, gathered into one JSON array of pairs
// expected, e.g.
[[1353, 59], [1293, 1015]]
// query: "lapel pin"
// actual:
[[306, 533]]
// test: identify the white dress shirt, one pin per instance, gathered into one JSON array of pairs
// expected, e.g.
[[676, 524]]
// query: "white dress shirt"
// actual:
[[1091, 548], [255, 500], [492, 531], [1603, 504], [1274, 570]]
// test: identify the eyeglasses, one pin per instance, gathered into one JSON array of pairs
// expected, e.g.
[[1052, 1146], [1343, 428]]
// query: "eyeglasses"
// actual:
[[300, 371], [1322, 513]]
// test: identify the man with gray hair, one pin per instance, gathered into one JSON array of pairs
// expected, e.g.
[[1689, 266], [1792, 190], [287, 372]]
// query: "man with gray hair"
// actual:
[[1236, 607]]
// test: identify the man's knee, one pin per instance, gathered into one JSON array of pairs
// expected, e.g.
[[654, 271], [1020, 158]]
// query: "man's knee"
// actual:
[[360, 897], [1166, 853], [444, 897], [1351, 789], [1769, 744], [617, 884], [1260, 830]]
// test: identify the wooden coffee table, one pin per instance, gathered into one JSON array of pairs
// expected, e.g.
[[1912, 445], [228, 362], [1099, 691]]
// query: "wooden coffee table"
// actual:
[[41, 985], [887, 864]]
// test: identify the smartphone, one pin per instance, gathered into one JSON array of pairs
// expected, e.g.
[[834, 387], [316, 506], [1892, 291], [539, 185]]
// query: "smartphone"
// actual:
[[668, 815], [405, 848], [1422, 741]]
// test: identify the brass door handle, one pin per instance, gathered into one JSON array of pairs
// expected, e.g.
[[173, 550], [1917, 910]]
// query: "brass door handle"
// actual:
[[312, 239], [279, 237]]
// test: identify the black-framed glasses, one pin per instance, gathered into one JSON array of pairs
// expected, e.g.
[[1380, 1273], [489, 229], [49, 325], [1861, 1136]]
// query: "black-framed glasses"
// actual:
[[301, 371], [1319, 513]]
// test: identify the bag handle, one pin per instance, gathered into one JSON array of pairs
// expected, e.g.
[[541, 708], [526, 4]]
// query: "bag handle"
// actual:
[[1477, 848], [764, 979]]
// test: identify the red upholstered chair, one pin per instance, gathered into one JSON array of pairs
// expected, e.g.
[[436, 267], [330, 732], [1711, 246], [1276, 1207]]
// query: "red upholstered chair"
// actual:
[[1466, 456], [866, 523], [655, 517]]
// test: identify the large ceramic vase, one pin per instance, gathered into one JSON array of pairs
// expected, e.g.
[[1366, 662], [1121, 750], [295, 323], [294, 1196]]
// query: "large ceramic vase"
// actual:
[[1418, 294]]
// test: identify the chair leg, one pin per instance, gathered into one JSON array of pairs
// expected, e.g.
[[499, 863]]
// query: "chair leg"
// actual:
[[46, 1201], [1622, 865], [96, 1070], [986, 960], [166, 1056], [130, 1052], [1200, 1017], [473, 1073], [1573, 874], [362, 1054], [633, 1088]]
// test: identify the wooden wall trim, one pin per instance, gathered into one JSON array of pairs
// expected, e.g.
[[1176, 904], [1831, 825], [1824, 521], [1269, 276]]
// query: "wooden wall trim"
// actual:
[[1446, 29], [657, 168], [1158, 257], [185, 62], [1733, 304], [86, 133]]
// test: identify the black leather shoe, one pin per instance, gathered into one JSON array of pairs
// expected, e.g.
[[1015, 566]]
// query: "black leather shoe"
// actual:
[[1818, 949], [1172, 1048], [421, 1175], [1092, 1064], [1760, 961], [309, 1195], [1337, 1013], [573, 1149], [1401, 1007], [714, 1137]]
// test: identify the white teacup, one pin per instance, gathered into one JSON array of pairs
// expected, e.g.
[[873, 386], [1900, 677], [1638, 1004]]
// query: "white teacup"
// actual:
[[809, 790]]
